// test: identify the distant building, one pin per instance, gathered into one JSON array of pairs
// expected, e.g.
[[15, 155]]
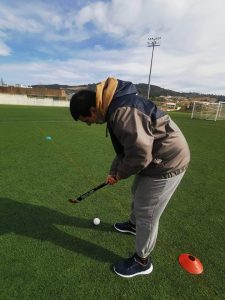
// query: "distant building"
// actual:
[[170, 106], [56, 94], [22, 86]]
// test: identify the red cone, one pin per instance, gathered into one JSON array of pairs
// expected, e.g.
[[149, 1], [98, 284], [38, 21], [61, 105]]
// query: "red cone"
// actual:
[[190, 263]]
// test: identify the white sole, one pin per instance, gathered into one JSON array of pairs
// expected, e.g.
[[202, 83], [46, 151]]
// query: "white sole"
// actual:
[[125, 231], [146, 272]]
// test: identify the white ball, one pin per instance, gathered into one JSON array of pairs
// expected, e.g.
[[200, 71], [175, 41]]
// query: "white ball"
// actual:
[[96, 221]]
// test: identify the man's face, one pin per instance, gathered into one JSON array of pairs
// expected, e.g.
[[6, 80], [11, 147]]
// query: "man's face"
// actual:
[[92, 119], [88, 120]]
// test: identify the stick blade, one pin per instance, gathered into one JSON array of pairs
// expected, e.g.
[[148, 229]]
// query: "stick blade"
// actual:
[[74, 201]]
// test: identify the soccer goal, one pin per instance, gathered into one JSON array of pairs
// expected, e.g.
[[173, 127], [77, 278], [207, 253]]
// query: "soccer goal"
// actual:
[[208, 111]]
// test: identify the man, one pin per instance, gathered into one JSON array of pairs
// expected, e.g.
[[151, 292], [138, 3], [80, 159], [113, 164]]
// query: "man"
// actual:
[[149, 145]]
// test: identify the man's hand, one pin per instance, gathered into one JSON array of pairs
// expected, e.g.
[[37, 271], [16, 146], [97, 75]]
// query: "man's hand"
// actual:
[[112, 179]]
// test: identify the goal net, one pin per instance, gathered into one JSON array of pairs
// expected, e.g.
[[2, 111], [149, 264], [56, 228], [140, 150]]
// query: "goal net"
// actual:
[[208, 111]]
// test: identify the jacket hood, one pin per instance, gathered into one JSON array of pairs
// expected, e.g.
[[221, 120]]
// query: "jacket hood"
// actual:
[[105, 91], [125, 88], [109, 89]]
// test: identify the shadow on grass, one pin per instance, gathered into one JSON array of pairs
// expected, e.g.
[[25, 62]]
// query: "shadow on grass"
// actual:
[[39, 222]]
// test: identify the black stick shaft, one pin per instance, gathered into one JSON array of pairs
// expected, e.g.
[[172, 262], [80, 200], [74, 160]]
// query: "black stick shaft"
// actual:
[[85, 195], [88, 193]]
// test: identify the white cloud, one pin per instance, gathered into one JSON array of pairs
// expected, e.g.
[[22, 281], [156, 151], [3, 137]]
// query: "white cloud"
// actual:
[[4, 49], [191, 55], [129, 18], [19, 20], [178, 73]]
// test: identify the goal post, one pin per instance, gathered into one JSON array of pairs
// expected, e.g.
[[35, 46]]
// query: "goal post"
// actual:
[[208, 111], [221, 111]]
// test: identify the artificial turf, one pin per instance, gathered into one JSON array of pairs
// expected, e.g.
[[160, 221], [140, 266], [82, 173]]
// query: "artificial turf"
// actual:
[[49, 249]]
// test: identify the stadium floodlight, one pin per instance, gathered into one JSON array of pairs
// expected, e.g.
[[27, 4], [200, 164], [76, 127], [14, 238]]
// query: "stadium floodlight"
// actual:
[[208, 111], [152, 42]]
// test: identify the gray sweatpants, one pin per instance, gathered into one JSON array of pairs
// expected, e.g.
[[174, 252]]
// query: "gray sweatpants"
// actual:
[[149, 199]]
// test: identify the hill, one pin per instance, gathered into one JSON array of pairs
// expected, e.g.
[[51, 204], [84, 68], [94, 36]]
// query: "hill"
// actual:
[[142, 88]]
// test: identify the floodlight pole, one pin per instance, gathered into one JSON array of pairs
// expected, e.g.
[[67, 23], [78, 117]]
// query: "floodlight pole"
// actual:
[[153, 43]]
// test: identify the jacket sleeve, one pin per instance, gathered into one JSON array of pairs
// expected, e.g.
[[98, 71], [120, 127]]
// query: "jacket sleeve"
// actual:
[[115, 165], [133, 130]]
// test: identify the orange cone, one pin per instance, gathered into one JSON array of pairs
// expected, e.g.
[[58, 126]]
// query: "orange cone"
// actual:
[[190, 263]]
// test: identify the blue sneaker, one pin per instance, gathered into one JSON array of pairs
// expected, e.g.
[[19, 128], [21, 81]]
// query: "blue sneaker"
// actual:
[[126, 227], [132, 267]]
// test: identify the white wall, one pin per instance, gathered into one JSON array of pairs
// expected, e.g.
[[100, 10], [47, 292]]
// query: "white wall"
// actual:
[[35, 101]]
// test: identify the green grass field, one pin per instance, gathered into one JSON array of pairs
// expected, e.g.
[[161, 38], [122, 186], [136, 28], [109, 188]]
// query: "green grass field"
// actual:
[[49, 249]]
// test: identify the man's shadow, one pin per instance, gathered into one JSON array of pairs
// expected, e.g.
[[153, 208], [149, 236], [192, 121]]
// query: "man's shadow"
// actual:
[[39, 222]]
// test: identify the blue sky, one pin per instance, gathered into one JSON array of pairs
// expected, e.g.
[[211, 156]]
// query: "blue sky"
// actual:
[[80, 42]]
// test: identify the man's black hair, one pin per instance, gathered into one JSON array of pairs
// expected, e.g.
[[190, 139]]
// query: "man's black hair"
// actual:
[[81, 102]]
